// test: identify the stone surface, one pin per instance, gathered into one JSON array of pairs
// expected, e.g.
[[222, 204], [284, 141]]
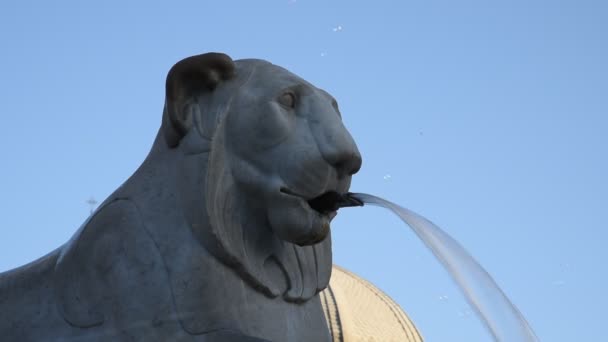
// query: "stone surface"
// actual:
[[212, 238]]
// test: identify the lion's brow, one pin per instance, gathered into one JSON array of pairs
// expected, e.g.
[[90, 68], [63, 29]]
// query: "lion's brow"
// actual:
[[301, 88], [324, 92]]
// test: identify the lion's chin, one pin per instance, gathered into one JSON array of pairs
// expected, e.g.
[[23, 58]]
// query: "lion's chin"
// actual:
[[293, 220]]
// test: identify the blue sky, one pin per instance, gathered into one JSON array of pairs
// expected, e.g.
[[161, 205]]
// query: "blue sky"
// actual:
[[489, 118]]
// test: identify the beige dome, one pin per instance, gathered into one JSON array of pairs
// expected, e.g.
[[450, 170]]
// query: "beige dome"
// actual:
[[358, 311]]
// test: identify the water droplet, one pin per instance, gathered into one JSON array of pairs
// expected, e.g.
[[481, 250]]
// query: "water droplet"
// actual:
[[464, 313], [387, 177], [323, 54], [337, 28]]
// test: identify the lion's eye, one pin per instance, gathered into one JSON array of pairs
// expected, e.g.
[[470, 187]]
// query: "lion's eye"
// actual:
[[288, 100]]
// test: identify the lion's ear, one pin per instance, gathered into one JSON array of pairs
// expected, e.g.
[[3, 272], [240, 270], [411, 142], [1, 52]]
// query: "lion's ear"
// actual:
[[187, 79]]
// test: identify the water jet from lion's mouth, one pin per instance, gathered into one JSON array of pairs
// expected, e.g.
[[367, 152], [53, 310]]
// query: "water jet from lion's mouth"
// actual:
[[503, 320]]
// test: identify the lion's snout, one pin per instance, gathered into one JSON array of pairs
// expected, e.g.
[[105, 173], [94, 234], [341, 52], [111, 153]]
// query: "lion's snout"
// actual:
[[348, 163], [338, 147]]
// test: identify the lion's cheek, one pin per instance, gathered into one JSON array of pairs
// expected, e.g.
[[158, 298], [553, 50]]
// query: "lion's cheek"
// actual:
[[266, 126], [293, 221]]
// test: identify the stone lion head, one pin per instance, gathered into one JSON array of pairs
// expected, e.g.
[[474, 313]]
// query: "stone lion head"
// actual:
[[267, 142]]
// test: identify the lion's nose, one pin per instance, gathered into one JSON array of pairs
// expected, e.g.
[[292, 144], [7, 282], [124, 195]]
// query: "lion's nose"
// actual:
[[347, 163], [340, 151], [335, 143]]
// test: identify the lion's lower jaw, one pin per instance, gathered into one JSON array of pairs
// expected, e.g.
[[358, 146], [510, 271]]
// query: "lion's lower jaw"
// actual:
[[302, 227], [294, 221]]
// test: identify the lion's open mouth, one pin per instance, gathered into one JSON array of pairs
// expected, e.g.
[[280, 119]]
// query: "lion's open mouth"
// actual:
[[332, 201], [329, 201]]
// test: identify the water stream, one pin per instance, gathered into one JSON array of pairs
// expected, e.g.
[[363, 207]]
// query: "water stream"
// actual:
[[502, 319]]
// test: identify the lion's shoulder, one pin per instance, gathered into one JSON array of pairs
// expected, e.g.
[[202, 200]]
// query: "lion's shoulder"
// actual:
[[110, 259]]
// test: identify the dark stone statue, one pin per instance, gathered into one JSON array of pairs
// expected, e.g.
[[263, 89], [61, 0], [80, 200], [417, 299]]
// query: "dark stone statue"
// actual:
[[213, 238]]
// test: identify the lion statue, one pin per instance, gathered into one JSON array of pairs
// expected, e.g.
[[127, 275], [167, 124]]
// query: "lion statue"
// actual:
[[213, 238]]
